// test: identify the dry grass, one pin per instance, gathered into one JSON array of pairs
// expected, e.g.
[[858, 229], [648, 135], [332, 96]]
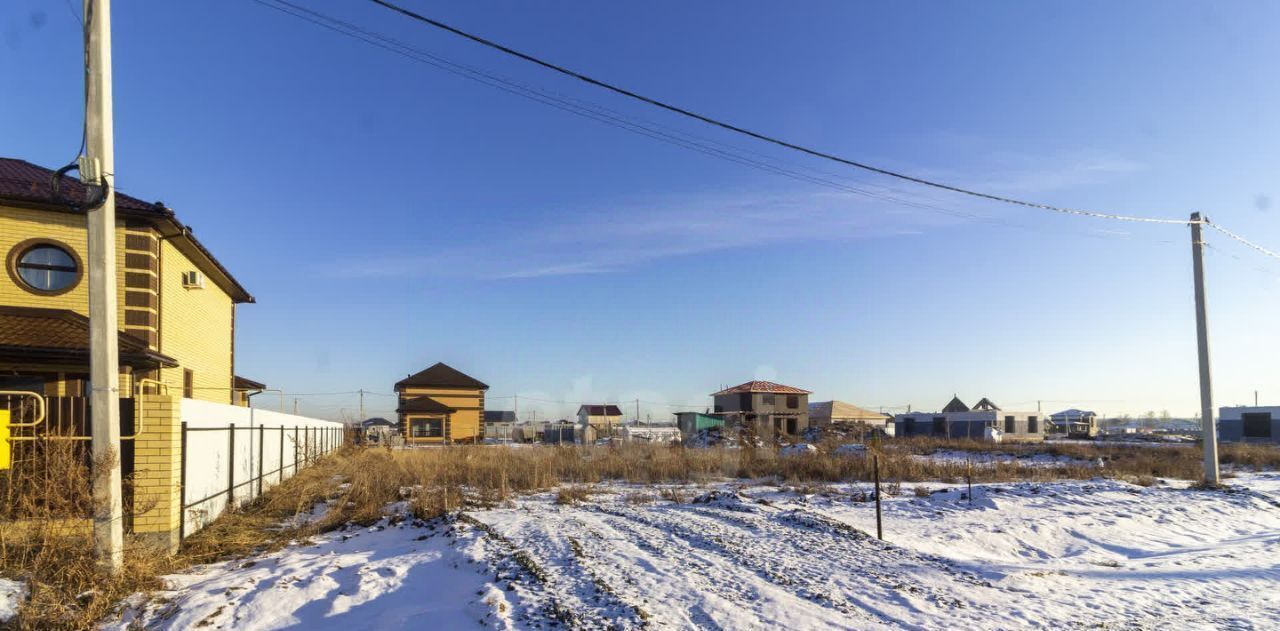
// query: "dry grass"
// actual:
[[46, 539], [357, 484]]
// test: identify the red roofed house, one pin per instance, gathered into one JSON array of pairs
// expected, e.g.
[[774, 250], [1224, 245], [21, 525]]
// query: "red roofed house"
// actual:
[[772, 407], [598, 421]]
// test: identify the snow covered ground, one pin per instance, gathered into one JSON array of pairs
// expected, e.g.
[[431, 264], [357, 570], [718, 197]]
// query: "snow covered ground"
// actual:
[[1071, 554]]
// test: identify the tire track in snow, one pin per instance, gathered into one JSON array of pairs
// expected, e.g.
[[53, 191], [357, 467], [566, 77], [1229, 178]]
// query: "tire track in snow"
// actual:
[[825, 562], [570, 597], [696, 570], [715, 538]]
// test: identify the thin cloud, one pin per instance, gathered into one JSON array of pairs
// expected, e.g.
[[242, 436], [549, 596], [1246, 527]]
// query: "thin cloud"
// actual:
[[601, 242]]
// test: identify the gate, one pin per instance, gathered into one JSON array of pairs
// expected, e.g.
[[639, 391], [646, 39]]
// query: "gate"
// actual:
[[43, 453]]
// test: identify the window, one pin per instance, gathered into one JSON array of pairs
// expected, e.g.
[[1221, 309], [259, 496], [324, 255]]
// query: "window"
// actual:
[[1010, 425], [766, 399], [188, 383], [45, 267], [1256, 425], [1033, 425], [427, 427], [793, 401], [939, 425]]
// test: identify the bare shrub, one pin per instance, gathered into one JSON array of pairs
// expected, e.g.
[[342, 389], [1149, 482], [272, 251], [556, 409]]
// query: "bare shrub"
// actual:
[[673, 495], [575, 494]]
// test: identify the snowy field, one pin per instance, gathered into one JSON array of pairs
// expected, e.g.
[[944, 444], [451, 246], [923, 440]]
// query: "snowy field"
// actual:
[[1076, 554]]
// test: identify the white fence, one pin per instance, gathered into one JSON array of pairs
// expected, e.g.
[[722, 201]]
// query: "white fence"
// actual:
[[231, 454]]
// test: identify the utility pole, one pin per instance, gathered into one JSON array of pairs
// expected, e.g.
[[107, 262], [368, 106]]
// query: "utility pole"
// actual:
[[515, 405], [98, 169], [295, 406], [361, 405], [1208, 427], [637, 410]]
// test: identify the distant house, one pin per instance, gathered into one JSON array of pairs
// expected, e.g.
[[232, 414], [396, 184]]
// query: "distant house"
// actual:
[[528, 432], [1074, 423], [378, 430], [1249, 424], [598, 421], [499, 425], [560, 432], [957, 420], [771, 408], [441, 405], [825, 413], [690, 423]]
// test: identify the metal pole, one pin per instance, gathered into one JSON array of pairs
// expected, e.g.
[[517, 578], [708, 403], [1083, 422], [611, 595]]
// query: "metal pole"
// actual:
[[1208, 426], [231, 467], [182, 487], [261, 439], [104, 365], [362, 404], [879, 527], [281, 461], [969, 477]]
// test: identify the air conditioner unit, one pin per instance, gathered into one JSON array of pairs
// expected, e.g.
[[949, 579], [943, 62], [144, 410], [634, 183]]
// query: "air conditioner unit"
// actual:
[[193, 280]]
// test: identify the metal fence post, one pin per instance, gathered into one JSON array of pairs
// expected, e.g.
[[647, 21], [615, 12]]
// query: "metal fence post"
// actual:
[[879, 529], [295, 450], [231, 467], [261, 435], [182, 485], [281, 461]]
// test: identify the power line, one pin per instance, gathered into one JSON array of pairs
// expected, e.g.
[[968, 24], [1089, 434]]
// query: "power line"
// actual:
[[643, 127], [683, 139], [1241, 239], [756, 135], [594, 111]]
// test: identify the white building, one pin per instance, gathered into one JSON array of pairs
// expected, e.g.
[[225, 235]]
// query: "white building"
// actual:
[[1249, 423], [957, 420]]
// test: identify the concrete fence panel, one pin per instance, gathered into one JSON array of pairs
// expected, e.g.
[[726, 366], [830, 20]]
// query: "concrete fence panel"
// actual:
[[233, 454]]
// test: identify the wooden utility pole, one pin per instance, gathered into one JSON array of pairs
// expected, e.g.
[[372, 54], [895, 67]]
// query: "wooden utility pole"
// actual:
[[1209, 428], [98, 169]]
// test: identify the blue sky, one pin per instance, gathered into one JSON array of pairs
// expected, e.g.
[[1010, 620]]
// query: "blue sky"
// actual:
[[388, 215]]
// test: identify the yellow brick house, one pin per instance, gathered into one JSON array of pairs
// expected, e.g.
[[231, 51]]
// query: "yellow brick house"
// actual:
[[177, 303], [441, 405]]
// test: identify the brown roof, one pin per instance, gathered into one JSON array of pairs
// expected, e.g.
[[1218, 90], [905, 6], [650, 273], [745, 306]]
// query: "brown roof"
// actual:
[[62, 335], [22, 181], [600, 410], [26, 183], [441, 375], [424, 404], [245, 383], [761, 386]]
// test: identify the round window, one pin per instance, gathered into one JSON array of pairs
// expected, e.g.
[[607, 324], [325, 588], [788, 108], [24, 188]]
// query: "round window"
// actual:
[[47, 267]]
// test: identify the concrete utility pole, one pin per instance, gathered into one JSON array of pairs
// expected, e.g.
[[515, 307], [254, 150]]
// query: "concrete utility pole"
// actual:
[[1207, 424], [98, 168], [361, 404]]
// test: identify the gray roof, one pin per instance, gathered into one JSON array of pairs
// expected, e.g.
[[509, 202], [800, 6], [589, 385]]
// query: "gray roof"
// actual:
[[500, 416]]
